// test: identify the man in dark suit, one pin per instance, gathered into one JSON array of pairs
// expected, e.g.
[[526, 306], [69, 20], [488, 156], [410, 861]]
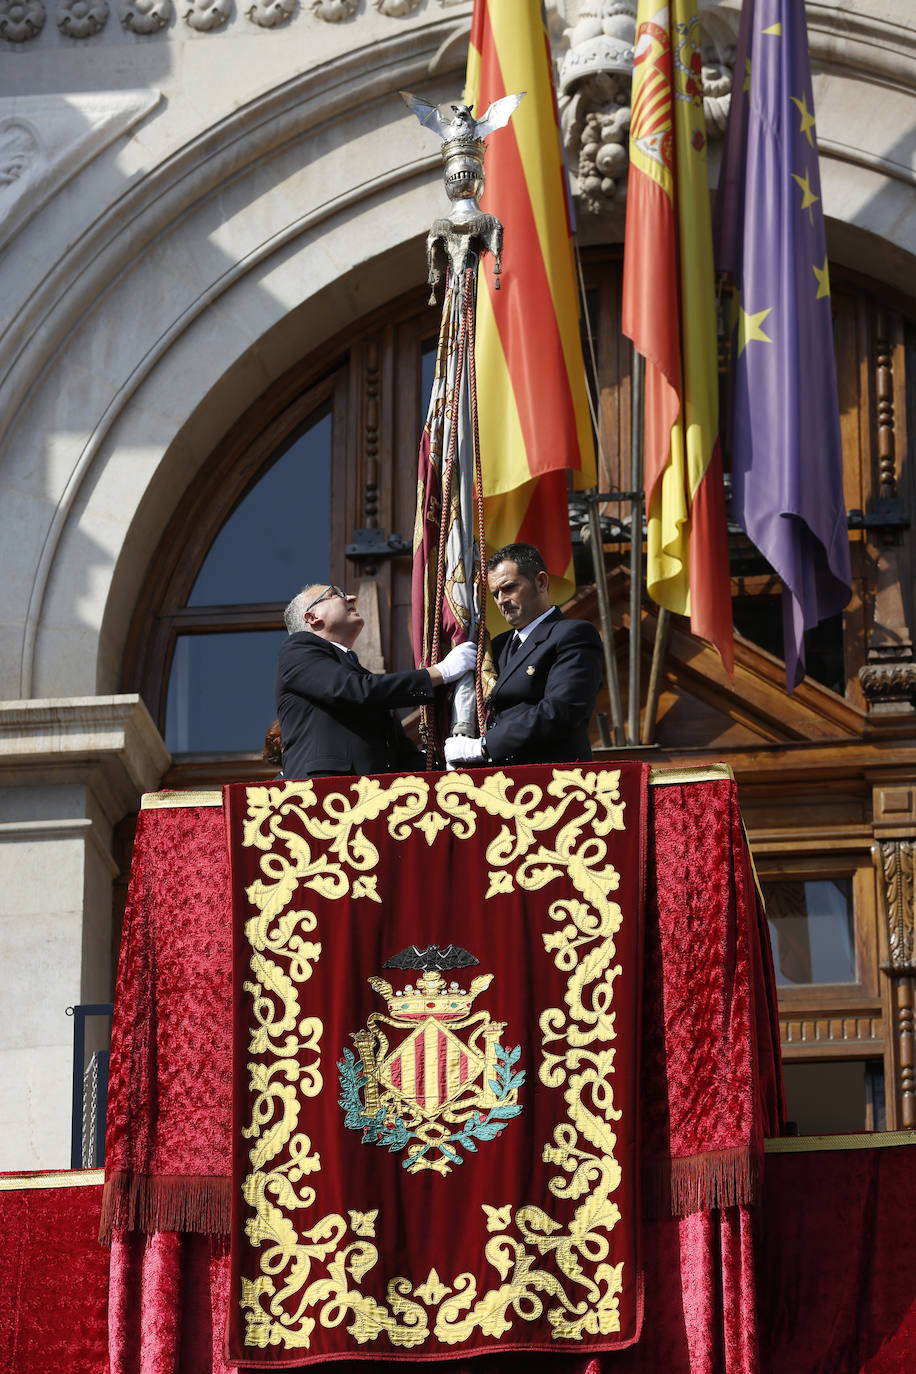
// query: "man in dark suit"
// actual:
[[549, 672], [335, 716]]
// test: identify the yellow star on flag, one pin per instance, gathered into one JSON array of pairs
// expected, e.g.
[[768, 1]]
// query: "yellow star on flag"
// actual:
[[823, 280], [774, 31], [807, 118], [808, 196], [749, 328]]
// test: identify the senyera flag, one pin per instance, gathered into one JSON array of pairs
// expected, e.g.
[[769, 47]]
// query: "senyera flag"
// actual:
[[787, 461], [534, 415], [669, 312]]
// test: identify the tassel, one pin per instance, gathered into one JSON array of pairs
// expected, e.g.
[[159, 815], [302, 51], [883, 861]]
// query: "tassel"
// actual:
[[164, 1202], [699, 1183]]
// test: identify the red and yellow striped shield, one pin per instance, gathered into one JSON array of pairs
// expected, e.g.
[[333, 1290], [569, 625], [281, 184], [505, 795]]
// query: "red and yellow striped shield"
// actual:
[[431, 1067]]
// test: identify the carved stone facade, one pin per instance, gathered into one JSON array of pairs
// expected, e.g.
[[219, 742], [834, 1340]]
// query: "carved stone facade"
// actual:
[[595, 79], [21, 20], [176, 241], [82, 18], [146, 16]]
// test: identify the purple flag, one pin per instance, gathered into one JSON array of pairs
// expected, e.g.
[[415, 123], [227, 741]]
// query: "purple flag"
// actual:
[[787, 464]]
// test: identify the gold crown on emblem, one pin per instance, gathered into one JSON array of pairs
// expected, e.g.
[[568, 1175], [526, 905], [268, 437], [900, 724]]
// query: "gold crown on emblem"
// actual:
[[430, 996]]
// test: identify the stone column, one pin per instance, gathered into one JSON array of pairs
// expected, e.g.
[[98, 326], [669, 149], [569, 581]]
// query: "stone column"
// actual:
[[70, 769]]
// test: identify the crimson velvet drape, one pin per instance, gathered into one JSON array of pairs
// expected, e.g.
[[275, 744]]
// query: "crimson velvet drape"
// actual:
[[836, 1282], [53, 1275], [710, 1085]]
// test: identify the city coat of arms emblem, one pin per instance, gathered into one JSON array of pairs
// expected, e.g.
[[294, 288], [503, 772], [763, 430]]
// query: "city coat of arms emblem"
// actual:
[[430, 1076]]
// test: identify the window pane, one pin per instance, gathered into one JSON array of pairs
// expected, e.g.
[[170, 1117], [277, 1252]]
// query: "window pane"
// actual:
[[825, 1098], [812, 931], [221, 692], [427, 374], [278, 537]]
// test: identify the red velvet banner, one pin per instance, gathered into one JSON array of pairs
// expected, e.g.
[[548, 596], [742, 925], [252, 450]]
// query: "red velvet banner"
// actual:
[[167, 1143], [436, 1053], [53, 1274]]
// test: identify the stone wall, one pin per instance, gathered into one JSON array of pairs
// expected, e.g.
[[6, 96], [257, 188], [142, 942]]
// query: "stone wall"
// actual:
[[194, 195]]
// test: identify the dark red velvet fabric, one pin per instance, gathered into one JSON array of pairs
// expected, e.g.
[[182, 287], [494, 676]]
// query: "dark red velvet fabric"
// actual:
[[708, 968], [711, 1076], [170, 1086], [836, 1285], [53, 1280], [837, 1263], [539, 875], [699, 1309]]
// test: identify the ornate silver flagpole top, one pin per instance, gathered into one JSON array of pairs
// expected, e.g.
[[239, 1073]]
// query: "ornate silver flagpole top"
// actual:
[[467, 230]]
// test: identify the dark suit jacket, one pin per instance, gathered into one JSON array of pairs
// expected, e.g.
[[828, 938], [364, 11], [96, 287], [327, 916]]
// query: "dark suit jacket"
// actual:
[[336, 717], [539, 710]]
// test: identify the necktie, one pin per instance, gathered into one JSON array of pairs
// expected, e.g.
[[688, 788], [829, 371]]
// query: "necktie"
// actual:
[[515, 643], [351, 655]]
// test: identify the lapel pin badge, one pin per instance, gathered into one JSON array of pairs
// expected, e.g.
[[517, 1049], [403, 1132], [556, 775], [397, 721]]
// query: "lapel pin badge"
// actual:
[[530, 670]]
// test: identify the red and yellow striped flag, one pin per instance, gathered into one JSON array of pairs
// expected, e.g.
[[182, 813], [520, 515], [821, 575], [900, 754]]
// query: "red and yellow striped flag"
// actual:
[[669, 312], [533, 405]]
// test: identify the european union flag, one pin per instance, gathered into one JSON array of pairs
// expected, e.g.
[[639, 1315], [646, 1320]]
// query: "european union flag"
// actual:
[[787, 465]]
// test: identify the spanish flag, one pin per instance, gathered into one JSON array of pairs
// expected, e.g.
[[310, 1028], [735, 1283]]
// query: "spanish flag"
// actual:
[[533, 406], [669, 312]]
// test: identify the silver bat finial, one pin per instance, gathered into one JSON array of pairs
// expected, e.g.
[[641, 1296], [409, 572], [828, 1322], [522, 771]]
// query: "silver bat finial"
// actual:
[[457, 121], [467, 230]]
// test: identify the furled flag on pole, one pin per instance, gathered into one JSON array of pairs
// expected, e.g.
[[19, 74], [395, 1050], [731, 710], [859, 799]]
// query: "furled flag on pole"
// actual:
[[787, 463], [446, 541], [669, 311], [533, 405]]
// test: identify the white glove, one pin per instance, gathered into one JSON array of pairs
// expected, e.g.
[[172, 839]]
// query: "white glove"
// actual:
[[458, 662], [463, 749]]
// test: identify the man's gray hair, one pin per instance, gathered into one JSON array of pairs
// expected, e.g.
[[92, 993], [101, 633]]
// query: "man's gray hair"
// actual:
[[294, 615]]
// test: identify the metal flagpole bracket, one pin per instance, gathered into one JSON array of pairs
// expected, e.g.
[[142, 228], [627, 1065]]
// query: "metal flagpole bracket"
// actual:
[[369, 545]]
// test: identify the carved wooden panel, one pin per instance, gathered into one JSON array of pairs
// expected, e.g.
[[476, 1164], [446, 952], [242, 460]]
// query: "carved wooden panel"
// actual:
[[826, 1037]]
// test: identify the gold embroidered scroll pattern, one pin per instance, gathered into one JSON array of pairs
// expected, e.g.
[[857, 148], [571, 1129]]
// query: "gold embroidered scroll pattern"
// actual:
[[575, 1053], [584, 949], [286, 1066]]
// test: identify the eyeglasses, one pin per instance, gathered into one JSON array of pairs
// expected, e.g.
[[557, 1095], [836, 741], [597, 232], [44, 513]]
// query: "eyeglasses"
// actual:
[[328, 591]]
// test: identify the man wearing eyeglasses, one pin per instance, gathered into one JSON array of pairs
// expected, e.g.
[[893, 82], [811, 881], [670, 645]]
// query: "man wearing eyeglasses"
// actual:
[[335, 716]]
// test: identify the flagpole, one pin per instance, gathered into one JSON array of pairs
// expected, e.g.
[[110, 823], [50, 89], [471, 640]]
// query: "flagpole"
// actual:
[[659, 650], [594, 532], [637, 435], [604, 615]]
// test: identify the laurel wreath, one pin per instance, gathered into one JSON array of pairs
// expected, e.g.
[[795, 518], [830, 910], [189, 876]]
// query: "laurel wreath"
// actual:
[[396, 1135]]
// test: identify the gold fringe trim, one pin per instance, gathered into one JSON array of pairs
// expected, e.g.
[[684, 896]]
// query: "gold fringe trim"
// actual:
[[165, 1202], [658, 777], [699, 1183], [863, 1140], [710, 772], [157, 801], [60, 1178]]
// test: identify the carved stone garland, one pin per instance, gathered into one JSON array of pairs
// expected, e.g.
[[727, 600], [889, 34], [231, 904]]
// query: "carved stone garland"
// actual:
[[207, 15], [595, 80], [896, 864], [270, 14], [82, 18], [146, 16], [396, 9], [21, 20], [333, 11]]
